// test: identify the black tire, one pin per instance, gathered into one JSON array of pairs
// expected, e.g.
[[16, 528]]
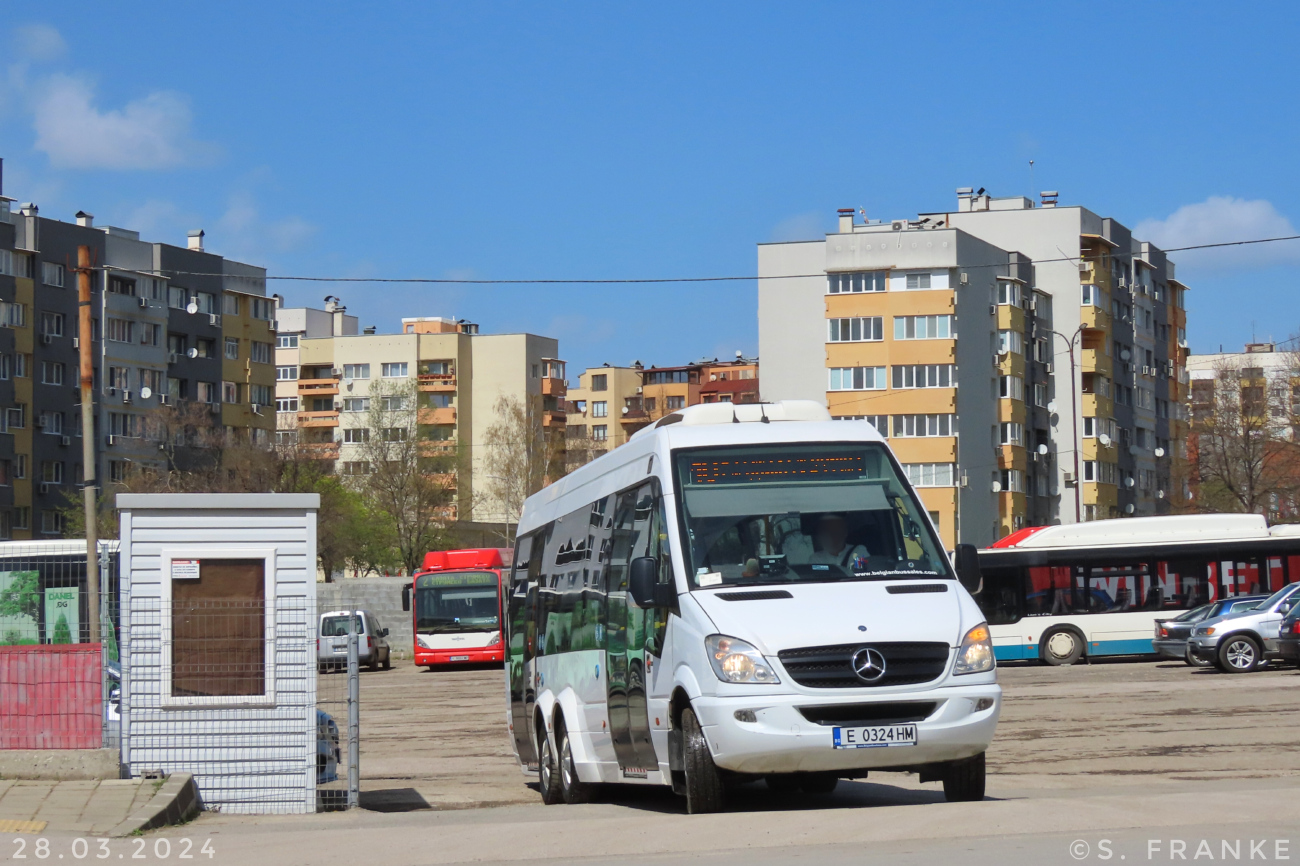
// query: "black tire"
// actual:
[[818, 783], [572, 790], [1239, 654], [1061, 647], [388, 660], [963, 781], [782, 783], [1195, 661], [548, 776], [704, 791], [374, 660]]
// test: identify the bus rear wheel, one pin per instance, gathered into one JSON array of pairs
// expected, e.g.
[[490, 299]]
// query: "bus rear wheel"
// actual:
[[571, 789], [548, 776], [1061, 647], [704, 792], [963, 781]]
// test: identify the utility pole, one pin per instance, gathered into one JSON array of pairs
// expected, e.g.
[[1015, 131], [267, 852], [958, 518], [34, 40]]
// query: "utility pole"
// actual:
[[85, 347], [1075, 421]]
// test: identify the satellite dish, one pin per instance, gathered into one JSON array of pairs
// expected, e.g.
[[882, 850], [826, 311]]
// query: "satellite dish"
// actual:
[[1130, 508], [1125, 354], [1133, 449], [1128, 482], [1042, 449], [1160, 452], [146, 392], [1160, 494], [624, 410], [1104, 440], [1051, 407], [191, 308], [997, 486], [193, 353]]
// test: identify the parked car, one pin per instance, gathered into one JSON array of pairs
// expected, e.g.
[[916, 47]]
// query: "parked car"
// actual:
[[1288, 639], [1172, 634], [327, 748], [1240, 642], [332, 640]]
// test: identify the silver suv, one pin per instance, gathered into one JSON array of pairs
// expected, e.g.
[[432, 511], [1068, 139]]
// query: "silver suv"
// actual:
[[1239, 642]]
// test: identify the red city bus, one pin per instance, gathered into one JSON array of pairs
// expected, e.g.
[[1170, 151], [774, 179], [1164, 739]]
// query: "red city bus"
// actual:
[[457, 606]]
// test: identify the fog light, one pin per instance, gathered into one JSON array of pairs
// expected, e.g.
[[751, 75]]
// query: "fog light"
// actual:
[[745, 716], [983, 704]]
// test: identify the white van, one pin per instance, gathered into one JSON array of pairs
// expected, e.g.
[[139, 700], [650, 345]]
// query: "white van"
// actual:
[[743, 592]]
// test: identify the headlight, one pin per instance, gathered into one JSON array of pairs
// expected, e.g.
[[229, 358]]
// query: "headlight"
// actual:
[[496, 639], [419, 638], [976, 653], [1207, 631], [735, 661]]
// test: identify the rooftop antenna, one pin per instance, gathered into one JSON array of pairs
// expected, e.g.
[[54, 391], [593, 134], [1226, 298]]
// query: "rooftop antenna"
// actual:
[[1031, 180], [734, 419], [762, 413]]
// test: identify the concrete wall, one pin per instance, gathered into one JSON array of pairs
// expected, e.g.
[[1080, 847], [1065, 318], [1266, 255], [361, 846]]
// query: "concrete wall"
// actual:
[[792, 321], [382, 596]]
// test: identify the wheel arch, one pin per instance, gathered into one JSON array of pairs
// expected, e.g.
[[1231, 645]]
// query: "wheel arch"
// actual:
[[1056, 628]]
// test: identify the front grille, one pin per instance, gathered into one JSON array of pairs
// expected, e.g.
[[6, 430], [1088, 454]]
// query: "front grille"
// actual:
[[831, 667], [879, 713], [754, 595]]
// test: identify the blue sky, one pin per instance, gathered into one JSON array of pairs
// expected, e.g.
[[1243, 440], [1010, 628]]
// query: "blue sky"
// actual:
[[503, 140]]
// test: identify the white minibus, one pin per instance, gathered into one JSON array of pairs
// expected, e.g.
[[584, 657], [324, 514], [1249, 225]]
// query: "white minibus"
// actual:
[[743, 592]]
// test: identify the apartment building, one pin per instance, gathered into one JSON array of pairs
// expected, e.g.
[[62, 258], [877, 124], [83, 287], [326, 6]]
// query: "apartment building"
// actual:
[[157, 328], [1067, 333], [456, 374], [606, 408], [292, 325]]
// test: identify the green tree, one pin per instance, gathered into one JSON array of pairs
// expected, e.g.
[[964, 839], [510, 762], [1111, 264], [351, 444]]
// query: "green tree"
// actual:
[[62, 634], [23, 596]]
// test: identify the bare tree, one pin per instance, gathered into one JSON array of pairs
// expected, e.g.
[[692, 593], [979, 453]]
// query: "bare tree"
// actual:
[[409, 478], [522, 455]]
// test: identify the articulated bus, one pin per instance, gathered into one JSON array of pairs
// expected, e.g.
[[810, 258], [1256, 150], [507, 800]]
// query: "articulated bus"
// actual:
[[743, 593], [1062, 593], [457, 606]]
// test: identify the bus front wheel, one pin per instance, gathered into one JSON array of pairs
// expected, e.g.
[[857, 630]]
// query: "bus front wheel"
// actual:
[[963, 781], [704, 792], [1062, 647]]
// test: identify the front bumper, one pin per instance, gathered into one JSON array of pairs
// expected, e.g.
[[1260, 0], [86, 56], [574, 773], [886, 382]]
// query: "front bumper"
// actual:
[[1170, 649], [1205, 647], [782, 740], [1288, 649], [477, 655]]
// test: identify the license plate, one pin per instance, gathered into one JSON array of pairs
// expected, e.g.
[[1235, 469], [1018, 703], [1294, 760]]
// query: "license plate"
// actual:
[[460, 658], [877, 737]]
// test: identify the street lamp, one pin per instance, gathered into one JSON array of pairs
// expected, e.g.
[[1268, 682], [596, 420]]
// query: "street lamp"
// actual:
[[506, 509], [1074, 420]]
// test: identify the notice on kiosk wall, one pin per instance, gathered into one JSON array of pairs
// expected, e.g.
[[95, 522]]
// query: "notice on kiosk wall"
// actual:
[[185, 569]]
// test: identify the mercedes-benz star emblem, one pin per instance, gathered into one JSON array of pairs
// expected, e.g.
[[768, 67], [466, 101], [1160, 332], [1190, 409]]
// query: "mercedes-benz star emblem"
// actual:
[[868, 664]]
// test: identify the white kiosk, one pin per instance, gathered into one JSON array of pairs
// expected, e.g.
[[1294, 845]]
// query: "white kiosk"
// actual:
[[218, 599]]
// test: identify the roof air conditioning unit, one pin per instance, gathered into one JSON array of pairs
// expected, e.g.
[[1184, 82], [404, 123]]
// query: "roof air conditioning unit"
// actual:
[[214, 319], [338, 407], [336, 373], [76, 342], [172, 358], [110, 439], [46, 339], [65, 441], [40, 421], [257, 410], [1049, 366], [993, 309], [164, 399], [898, 225], [144, 302], [965, 278], [45, 488], [126, 396]]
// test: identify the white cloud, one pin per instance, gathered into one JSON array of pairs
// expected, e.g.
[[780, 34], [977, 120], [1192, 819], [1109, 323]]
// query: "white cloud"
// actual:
[[39, 42], [1220, 219], [243, 232], [800, 227], [148, 133]]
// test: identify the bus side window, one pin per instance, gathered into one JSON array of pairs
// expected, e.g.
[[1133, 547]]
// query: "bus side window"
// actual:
[[1002, 596]]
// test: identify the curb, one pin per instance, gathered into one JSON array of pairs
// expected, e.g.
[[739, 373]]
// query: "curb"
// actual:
[[175, 802]]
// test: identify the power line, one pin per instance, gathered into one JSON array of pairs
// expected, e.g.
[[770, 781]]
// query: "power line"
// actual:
[[668, 280]]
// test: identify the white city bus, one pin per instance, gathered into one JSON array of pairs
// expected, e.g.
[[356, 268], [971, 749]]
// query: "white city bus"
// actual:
[[743, 592], [1060, 593]]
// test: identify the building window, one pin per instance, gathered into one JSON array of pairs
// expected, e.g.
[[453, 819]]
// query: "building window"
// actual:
[[924, 375], [599, 409], [356, 467], [229, 392], [1011, 433], [396, 370], [1011, 387], [52, 523], [23, 517], [356, 435], [52, 274], [124, 424], [13, 315], [599, 432], [1091, 295], [600, 382], [7, 263], [1011, 341], [358, 371], [924, 425], [858, 329], [286, 374], [150, 334], [22, 365], [923, 327], [51, 472], [286, 404], [260, 353], [394, 434], [286, 341], [117, 471], [537, 371], [440, 401], [230, 304], [121, 286], [207, 302], [880, 422], [1009, 293], [395, 403], [856, 379], [843, 284], [232, 348], [205, 392], [121, 330], [52, 324], [15, 417], [1099, 471], [262, 308], [1012, 480], [51, 423], [259, 395], [672, 403], [918, 281], [929, 474], [51, 373], [1040, 394], [356, 404]]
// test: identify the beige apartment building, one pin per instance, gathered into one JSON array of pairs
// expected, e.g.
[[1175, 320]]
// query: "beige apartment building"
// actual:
[[456, 375], [1026, 361], [605, 409]]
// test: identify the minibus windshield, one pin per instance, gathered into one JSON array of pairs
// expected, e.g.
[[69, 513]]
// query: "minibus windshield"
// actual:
[[456, 603], [801, 513]]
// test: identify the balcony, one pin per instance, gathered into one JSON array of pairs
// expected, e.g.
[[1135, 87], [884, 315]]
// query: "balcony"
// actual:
[[318, 387], [553, 387], [318, 419], [553, 418], [438, 383], [1096, 361], [319, 450], [1094, 317], [445, 415], [634, 418]]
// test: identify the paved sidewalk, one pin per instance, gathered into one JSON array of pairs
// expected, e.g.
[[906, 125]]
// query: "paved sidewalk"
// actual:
[[89, 806]]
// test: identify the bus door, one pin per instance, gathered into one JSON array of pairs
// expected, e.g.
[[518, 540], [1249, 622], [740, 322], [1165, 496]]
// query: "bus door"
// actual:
[[520, 634], [633, 635]]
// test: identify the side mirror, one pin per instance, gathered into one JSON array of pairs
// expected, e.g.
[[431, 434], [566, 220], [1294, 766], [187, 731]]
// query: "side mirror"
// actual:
[[406, 597], [968, 567], [643, 579], [384, 633]]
